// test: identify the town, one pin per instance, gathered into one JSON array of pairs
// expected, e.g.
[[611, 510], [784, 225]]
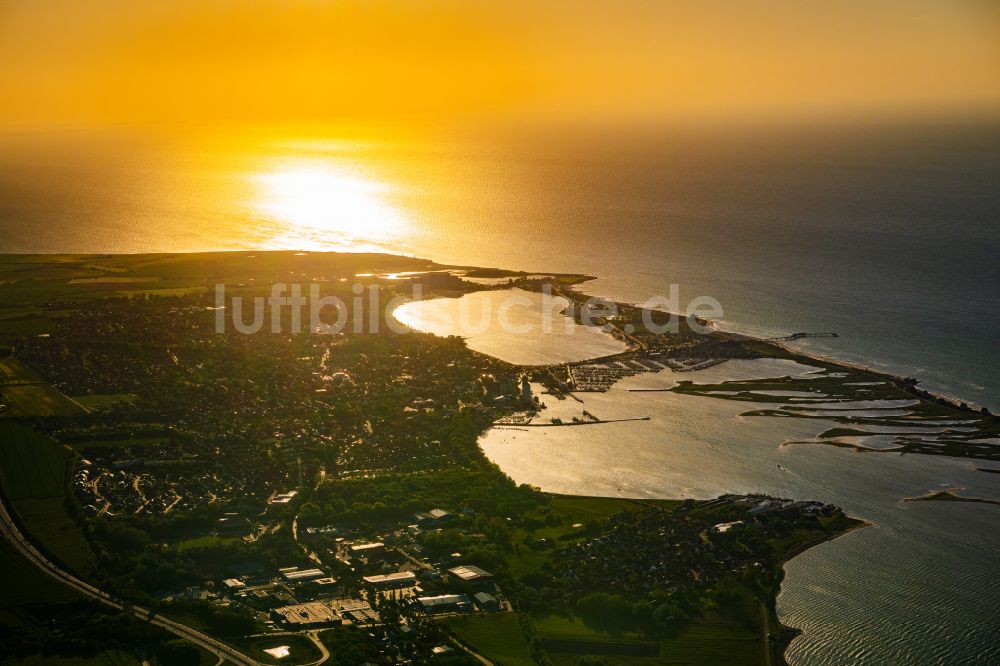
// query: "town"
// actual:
[[308, 499]]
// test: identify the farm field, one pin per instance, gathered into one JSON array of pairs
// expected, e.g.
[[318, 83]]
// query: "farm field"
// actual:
[[23, 392], [99, 401], [23, 583], [32, 473], [706, 642], [496, 636], [36, 400], [110, 658], [13, 371]]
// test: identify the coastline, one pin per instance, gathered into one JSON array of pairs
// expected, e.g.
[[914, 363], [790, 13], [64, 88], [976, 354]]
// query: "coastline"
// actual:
[[796, 354], [574, 292], [899, 380], [785, 634]]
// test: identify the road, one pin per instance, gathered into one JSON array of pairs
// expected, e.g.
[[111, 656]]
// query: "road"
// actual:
[[312, 635], [765, 625], [25, 547]]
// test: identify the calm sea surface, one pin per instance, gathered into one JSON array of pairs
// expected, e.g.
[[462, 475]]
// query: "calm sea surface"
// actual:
[[889, 237]]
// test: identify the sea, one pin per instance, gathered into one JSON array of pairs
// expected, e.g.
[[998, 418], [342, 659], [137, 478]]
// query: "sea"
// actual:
[[888, 236]]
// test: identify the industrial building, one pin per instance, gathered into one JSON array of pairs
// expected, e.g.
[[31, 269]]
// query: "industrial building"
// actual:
[[313, 614], [366, 550], [392, 581], [486, 602], [296, 575], [470, 573], [445, 603], [433, 517]]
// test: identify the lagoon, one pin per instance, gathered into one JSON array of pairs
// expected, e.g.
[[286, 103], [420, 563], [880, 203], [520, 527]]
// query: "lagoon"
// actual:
[[514, 325], [918, 586]]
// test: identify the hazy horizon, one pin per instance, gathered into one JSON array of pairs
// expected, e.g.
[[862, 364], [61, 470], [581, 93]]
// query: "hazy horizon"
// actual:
[[478, 64]]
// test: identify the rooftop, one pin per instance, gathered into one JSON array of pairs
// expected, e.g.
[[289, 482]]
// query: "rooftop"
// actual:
[[470, 573], [303, 574], [443, 600], [315, 612], [283, 498], [399, 577]]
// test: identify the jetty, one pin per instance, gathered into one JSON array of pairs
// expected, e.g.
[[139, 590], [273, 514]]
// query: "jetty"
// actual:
[[799, 336]]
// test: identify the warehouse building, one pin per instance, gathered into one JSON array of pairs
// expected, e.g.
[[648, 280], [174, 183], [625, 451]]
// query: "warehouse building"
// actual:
[[313, 614], [392, 581]]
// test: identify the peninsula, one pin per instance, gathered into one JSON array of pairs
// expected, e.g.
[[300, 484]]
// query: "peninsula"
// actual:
[[175, 493]]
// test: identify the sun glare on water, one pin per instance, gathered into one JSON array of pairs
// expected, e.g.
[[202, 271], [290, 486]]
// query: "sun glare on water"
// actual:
[[325, 206]]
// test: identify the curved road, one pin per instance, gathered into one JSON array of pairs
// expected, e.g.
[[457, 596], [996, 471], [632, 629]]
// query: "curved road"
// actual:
[[25, 547]]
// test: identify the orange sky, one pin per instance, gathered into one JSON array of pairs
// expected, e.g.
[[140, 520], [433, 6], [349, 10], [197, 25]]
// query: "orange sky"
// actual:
[[113, 61]]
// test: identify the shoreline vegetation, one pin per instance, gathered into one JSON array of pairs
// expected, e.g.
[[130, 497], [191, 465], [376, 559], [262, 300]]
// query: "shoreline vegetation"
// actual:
[[167, 424]]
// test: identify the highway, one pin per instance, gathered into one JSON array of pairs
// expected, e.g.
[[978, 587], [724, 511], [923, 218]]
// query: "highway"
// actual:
[[202, 640]]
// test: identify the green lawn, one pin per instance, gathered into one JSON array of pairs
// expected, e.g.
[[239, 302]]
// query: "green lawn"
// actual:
[[303, 651], [496, 636]]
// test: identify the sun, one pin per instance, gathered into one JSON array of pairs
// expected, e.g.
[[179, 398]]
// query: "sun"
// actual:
[[327, 203]]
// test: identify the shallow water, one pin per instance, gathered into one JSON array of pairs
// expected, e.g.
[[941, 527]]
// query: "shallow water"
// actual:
[[918, 587], [517, 326]]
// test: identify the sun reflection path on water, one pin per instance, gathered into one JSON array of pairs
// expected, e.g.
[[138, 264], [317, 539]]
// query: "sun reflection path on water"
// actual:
[[323, 205]]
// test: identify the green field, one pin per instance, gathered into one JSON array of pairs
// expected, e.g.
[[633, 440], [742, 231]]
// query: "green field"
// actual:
[[497, 636], [710, 642], [25, 393], [29, 323], [103, 400], [32, 465], [13, 371], [51, 528], [110, 658], [33, 474], [302, 650], [37, 400], [204, 542], [23, 583], [558, 518], [118, 442]]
